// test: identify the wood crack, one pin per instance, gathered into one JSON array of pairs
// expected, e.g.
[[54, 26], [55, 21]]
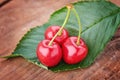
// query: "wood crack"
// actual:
[[4, 3]]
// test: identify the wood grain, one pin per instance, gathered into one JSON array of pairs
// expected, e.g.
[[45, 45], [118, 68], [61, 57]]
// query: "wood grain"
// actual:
[[18, 16]]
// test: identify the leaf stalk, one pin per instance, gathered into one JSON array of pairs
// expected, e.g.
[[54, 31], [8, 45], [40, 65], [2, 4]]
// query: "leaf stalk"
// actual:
[[79, 24]]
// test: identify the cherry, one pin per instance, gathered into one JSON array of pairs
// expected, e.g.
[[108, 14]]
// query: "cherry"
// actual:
[[74, 48], [49, 55], [73, 53], [52, 30]]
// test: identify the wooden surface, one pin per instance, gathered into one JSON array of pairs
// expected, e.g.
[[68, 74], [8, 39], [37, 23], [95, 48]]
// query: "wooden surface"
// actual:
[[18, 16]]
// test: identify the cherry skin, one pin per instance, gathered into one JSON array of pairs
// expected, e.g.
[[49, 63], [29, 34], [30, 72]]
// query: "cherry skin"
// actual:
[[73, 53], [52, 30], [49, 55]]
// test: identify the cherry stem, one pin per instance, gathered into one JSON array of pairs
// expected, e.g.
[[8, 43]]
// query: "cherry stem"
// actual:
[[64, 23], [79, 24]]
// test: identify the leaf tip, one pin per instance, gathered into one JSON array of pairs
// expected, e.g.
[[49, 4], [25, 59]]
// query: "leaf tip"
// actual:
[[10, 56]]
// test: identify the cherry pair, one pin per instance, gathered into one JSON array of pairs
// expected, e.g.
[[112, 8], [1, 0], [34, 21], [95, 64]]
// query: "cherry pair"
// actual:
[[63, 46]]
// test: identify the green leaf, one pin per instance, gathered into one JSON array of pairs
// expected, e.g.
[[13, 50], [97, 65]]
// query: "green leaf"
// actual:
[[100, 20]]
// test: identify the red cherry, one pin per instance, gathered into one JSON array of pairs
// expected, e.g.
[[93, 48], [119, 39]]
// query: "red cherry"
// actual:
[[49, 55], [73, 53], [52, 30]]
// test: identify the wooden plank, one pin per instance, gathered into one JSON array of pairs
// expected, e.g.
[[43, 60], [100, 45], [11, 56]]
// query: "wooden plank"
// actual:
[[17, 17], [117, 2], [1, 1]]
